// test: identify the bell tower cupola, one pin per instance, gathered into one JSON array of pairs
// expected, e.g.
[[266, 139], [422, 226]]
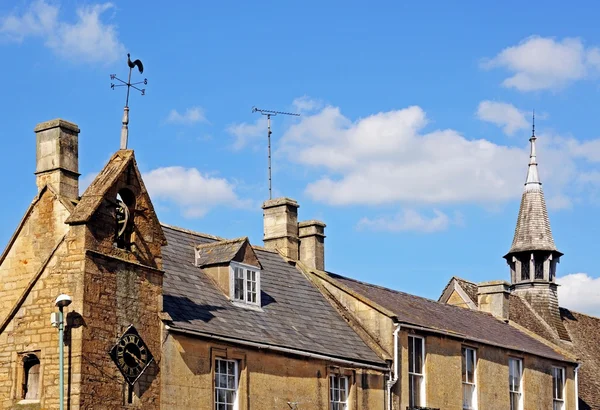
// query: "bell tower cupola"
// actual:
[[533, 255]]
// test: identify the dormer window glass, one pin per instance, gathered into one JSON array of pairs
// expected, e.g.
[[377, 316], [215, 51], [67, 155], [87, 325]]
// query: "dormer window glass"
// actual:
[[245, 284]]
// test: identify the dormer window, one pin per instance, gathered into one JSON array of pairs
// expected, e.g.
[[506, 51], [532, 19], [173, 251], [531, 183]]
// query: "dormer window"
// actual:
[[235, 269], [245, 283]]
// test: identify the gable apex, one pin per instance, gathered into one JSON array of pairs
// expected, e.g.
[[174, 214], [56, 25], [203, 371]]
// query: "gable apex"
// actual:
[[120, 162]]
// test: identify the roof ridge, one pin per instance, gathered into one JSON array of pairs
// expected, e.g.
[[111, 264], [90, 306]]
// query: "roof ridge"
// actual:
[[222, 242], [196, 233], [580, 313], [464, 280], [412, 295]]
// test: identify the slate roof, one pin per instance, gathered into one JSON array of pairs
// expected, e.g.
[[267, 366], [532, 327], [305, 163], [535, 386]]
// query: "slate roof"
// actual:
[[457, 321], [469, 287], [533, 226], [294, 313], [584, 332], [215, 253]]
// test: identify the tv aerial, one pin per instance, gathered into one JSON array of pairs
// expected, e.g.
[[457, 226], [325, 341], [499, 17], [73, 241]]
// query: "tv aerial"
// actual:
[[269, 114]]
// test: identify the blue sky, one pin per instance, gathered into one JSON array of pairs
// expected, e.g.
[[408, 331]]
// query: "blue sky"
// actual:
[[413, 140]]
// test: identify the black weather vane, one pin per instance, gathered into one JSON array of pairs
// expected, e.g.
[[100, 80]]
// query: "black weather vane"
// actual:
[[129, 85]]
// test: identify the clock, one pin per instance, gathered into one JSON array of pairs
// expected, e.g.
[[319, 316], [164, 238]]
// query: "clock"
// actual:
[[131, 355]]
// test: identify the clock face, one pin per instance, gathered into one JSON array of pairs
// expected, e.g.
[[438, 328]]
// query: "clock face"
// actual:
[[131, 355]]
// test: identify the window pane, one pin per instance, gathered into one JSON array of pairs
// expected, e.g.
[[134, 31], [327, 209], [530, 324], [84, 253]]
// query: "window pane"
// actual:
[[525, 269], [468, 396], [470, 365], [411, 354], [418, 356], [464, 365], [238, 283]]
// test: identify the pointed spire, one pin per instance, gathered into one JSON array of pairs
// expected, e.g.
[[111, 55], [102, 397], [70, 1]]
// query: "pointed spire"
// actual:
[[532, 232], [533, 179]]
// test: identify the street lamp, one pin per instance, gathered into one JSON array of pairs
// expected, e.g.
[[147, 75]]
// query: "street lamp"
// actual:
[[61, 301]]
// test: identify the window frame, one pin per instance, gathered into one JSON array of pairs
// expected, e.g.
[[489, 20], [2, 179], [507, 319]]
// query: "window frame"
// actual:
[[511, 391], [235, 404], [332, 403], [560, 401], [474, 393], [246, 269], [422, 392]]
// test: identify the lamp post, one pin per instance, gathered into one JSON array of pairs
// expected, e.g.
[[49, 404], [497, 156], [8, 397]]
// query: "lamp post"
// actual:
[[61, 301]]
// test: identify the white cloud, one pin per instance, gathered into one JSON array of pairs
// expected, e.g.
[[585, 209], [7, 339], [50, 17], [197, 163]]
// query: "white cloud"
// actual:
[[580, 292], [386, 158], [245, 133], [504, 115], [410, 220], [539, 63], [195, 193], [87, 40], [389, 158], [306, 104], [190, 116]]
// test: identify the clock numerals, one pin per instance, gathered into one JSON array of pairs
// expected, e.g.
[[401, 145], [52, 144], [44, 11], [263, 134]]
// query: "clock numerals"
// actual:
[[131, 355]]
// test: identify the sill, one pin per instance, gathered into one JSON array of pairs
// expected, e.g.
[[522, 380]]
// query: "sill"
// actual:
[[28, 401], [247, 306]]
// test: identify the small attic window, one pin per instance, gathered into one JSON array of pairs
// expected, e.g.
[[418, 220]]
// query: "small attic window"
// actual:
[[124, 219], [244, 283]]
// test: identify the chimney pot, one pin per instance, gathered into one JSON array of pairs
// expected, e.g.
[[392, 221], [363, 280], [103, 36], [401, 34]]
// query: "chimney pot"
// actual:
[[312, 243], [57, 162]]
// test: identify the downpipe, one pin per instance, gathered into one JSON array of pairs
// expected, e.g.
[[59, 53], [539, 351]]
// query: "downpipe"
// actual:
[[393, 379]]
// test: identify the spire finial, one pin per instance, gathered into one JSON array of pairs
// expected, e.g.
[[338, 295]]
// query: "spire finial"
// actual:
[[533, 179], [128, 84]]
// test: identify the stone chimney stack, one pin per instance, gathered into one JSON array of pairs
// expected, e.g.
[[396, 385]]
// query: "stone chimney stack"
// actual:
[[312, 243], [280, 216], [57, 162], [493, 297]]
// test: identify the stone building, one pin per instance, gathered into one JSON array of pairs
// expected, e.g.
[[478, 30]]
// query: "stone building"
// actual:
[[167, 318], [530, 301]]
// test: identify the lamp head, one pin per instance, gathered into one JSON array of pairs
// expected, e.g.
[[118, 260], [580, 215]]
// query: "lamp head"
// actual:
[[63, 300]]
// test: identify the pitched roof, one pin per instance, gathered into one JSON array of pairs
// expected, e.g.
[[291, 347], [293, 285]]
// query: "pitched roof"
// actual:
[[219, 252], [468, 288], [94, 194], [452, 320], [294, 314], [584, 332], [585, 335]]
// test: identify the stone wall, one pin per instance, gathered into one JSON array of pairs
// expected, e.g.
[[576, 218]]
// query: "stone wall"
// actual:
[[118, 294], [443, 364], [38, 266], [267, 380]]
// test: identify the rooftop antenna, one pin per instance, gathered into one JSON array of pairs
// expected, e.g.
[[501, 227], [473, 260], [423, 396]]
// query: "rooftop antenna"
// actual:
[[128, 84], [270, 113]]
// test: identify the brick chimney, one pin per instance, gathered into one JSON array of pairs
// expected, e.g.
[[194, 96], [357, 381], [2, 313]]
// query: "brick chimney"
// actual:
[[312, 243], [57, 162], [493, 297], [280, 216]]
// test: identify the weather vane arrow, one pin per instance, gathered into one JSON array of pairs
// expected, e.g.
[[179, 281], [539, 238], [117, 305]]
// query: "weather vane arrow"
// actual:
[[129, 85]]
